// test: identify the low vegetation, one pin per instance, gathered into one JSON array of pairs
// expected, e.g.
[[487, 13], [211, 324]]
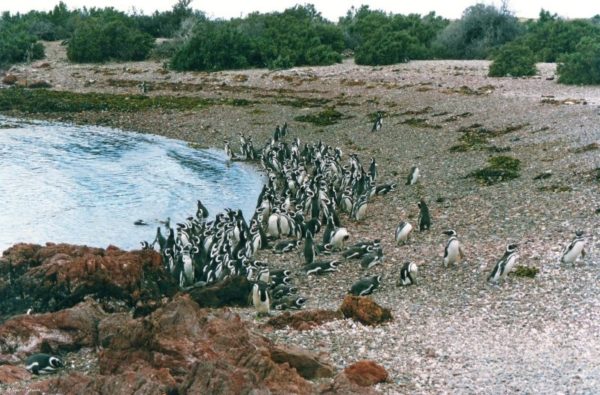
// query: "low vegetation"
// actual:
[[328, 116], [499, 169], [513, 60], [48, 101]]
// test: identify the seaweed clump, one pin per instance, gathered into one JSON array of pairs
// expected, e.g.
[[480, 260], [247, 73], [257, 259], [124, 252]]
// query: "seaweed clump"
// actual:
[[500, 168], [328, 116]]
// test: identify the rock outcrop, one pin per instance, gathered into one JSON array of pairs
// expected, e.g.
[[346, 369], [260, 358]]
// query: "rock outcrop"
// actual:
[[178, 348], [59, 276], [364, 310]]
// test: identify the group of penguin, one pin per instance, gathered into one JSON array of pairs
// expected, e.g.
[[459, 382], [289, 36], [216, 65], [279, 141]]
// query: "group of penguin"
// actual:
[[307, 189]]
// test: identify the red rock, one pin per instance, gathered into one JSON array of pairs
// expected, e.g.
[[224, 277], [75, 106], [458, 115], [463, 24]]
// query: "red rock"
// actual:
[[307, 364], [303, 320], [66, 330], [11, 374], [342, 385], [61, 275], [364, 310], [233, 291], [205, 350], [10, 79], [366, 373]]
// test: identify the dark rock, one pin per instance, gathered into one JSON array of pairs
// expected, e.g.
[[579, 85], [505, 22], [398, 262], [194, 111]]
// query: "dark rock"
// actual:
[[59, 276], [304, 320], [307, 364], [10, 79], [366, 373], [233, 291], [364, 310]]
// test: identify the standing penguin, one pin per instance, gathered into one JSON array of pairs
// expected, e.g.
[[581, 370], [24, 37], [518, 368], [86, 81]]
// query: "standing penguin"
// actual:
[[408, 274], [453, 252], [43, 363], [424, 217], [574, 249], [378, 122], [365, 286], [260, 299], [413, 176], [309, 249], [505, 264], [402, 232]]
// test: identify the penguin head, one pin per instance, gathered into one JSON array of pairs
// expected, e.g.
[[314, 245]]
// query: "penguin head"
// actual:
[[512, 247], [377, 279], [579, 233], [300, 302], [412, 267], [450, 232], [55, 362]]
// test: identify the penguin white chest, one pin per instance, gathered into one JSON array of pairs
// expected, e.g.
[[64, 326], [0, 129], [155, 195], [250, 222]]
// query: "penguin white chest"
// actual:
[[510, 263], [452, 252], [272, 225], [572, 255]]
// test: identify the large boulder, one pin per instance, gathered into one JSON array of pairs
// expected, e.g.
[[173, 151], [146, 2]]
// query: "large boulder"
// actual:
[[364, 310], [306, 363], [59, 276], [366, 373]]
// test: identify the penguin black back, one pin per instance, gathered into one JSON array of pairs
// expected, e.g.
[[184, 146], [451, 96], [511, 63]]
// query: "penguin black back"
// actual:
[[424, 217]]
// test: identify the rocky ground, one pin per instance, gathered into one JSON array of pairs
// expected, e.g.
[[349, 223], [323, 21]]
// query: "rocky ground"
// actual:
[[452, 333]]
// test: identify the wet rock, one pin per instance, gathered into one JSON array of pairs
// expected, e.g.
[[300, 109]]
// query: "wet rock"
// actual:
[[304, 320], [234, 291], [11, 374], [364, 310], [307, 364], [66, 330], [59, 276], [366, 373]]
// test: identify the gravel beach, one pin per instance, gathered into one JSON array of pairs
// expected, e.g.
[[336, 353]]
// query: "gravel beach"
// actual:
[[453, 332]]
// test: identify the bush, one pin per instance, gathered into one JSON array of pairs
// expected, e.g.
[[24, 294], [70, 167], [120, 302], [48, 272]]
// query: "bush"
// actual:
[[581, 67], [16, 45], [98, 39], [481, 30], [385, 47], [513, 59]]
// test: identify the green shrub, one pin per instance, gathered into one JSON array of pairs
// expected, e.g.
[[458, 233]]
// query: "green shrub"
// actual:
[[581, 67], [499, 169], [98, 39], [513, 59], [481, 30], [385, 47], [16, 45]]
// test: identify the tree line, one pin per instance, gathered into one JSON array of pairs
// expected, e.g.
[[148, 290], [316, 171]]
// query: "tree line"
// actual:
[[300, 36]]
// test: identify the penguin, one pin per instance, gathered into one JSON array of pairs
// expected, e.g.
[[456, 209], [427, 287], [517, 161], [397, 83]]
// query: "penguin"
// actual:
[[285, 246], [574, 249], [413, 176], [140, 222], [424, 218], [146, 245], [260, 299], [408, 274], [453, 252], [285, 303], [338, 238], [309, 249], [43, 363], [319, 268], [201, 211], [357, 252], [365, 286], [403, 232], [371, 259], [281, 276], [504, 264], [378, 123], [384, 189], [359, 209], [282, 290], [373, 170], [228, 150]]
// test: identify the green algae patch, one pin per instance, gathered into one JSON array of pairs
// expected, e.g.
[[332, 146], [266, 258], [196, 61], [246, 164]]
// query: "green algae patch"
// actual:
[[328, 116], [50, 101], [499, 169]]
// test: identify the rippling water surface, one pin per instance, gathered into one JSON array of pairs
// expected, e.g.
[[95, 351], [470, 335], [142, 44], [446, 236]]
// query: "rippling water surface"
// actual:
[[87, 185]]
